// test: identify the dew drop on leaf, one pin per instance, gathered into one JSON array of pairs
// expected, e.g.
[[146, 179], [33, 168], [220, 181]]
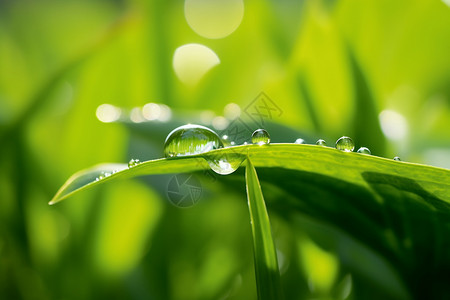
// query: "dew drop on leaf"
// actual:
[[225, 164], [299, 141], [345, 144], [133, 162], [321, 142], [364, 150], [260, 137], [397, 158], [190, 140]]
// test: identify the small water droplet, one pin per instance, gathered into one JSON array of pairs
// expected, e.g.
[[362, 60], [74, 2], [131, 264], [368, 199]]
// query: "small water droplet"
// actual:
[[321, 142], [260, 137], [345, 144], [133, 162], [225, 164], [299, 141], [397, 158], [364, 150], [190, 140], [107, 174], [226, 140]]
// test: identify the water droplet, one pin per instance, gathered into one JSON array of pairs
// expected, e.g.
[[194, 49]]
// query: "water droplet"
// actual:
[[226, 140], [191, 139], [225, 164], [321, 142], [107, 174], [133, 162], [364, 150], [299, 141], [260, 137], [345, 144], [397, 158]]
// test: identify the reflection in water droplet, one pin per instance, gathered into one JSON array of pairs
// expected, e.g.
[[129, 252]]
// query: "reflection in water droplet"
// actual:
[[364, 150], [321, 142], [191, 139], [225, 164], [397, 158], [192, 61], [214, 19], [133, 162], [299, 141], [260, 137], [345, 144]]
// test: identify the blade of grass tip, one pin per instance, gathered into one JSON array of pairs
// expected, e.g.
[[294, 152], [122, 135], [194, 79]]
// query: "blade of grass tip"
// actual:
[[266, 264], [367, 129]]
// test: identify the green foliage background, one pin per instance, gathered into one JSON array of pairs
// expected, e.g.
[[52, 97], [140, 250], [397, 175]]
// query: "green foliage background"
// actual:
[[331, 66]]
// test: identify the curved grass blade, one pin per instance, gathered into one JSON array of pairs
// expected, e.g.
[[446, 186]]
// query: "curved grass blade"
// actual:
[[266, 264], [400, 210], [86, 179], [308, 158]]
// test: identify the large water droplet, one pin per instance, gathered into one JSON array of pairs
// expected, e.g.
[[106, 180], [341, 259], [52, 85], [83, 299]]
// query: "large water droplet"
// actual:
[[191, 139], [345, 144], [364, 150], [225, 164], [397, 158], [321, 142], [133, 162], [260, 137], [299, 141]]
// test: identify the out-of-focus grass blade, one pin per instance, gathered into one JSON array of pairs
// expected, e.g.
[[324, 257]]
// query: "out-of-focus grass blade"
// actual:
[[266, 264], [367, 130], [39, 98]]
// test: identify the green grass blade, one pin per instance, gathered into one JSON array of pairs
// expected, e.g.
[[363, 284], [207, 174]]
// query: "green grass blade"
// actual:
[[307, 158], [400, 210], [266, 264], [367, 130]]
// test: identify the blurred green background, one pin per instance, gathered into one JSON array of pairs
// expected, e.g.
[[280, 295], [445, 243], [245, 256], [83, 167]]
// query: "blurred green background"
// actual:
[[378, 71]]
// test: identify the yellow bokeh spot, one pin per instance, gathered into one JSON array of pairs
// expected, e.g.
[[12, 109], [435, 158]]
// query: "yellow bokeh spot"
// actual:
[[214, 18]]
